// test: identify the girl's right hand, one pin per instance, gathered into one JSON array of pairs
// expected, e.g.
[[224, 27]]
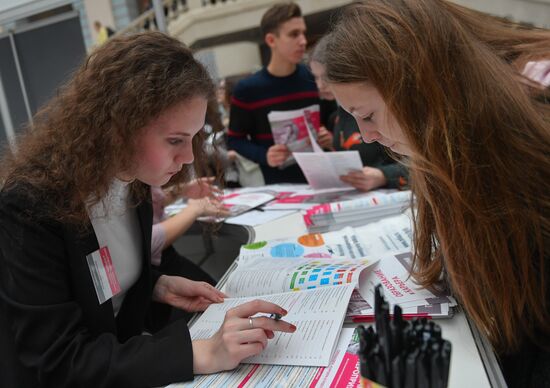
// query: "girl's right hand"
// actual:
[[237, 339], [208, 207]]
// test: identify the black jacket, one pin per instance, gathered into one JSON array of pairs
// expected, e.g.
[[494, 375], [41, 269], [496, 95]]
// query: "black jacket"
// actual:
[[53, 331]]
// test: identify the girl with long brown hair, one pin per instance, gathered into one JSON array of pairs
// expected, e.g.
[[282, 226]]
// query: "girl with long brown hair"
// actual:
[[77, 291], [441, 84]]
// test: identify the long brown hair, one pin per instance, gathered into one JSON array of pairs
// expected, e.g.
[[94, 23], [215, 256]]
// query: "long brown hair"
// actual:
[[89, 132], [481, 144]]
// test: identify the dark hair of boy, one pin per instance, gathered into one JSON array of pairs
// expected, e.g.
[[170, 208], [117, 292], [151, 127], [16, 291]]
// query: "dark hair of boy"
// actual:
[[277, 15]]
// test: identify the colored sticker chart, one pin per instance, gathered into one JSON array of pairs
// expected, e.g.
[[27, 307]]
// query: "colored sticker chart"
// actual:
[[344, 244], [306, 246], [315, 274]]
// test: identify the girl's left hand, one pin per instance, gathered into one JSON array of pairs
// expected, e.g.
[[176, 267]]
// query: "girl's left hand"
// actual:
[[199, 188], [186, 294], [324, 138], [208, 207], [367, 179]]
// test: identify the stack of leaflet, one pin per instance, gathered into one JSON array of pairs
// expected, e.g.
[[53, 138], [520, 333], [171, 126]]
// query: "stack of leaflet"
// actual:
[[386, 246], [360, 211], [392, 271]]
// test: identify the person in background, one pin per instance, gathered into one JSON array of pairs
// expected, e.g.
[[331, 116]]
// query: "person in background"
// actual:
[[76, 203], [103, 32], [380, 170], [285, 84], [223, 98], [221, 158], [438, 83]]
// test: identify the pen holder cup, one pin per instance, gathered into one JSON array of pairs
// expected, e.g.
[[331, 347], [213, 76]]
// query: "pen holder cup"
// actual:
[[397, 353]]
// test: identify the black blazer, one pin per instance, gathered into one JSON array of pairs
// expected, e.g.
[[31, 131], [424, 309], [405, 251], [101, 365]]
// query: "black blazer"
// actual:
[[53, 331]]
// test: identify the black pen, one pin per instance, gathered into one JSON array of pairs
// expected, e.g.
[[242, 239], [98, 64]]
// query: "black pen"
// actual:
[[396, 329], [372, 359], [381, 370], [362, 334], [437, 332], [446, 348], [435, 366], [396, 372], [378, 298], [422, 377], [364, 366], [410, 369], [385, 337]]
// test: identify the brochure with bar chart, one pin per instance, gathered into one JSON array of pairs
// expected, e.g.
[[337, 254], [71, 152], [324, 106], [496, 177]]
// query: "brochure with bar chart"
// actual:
[[264, 276]]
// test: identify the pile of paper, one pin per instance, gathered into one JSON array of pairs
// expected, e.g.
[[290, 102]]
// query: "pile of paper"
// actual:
[[371, 207], [392, 271], [387, 243]]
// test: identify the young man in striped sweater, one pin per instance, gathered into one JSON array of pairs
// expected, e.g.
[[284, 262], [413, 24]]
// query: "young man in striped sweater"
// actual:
[[285, 84]]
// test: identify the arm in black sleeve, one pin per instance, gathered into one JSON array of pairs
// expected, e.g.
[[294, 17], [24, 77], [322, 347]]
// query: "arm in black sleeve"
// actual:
[[241, 126], [52, 339], [397, 175]]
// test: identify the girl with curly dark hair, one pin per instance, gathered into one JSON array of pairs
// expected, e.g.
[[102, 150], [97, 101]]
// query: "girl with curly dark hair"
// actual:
[[77, 291]]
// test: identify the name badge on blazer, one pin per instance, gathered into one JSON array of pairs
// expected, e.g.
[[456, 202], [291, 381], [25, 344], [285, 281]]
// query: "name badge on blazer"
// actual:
[[103, 274]]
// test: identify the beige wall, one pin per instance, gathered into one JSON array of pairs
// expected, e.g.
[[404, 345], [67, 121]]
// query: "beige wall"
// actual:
[[204, 22], [99, 10], [237, 58]]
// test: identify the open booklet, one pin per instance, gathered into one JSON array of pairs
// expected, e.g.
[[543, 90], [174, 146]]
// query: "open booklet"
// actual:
[[315, 292]]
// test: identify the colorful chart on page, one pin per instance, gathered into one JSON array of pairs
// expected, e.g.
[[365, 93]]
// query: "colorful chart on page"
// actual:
[[316, 274]]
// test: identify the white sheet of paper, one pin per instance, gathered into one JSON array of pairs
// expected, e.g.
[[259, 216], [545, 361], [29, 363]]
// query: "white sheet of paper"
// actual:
[[323, 170]]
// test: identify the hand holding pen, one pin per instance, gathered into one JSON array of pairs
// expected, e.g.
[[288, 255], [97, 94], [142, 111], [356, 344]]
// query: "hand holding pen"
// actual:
[[241, 335]]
